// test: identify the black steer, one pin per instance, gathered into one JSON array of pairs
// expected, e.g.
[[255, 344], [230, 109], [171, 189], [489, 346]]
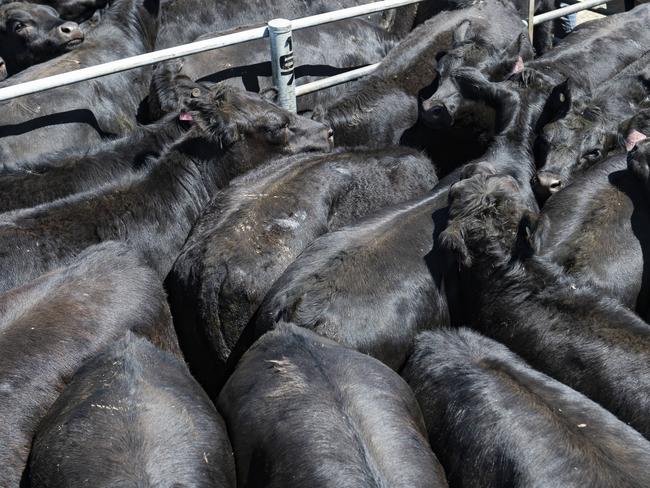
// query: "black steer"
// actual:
[[589, 131], [598, 227], [372, 286], [32, 33], [51, 326], [303, 411], [567, 330], [84, 113], [597, 230], [259, 225], [33, 182], [493, 421], [383, 106], [232, 132], [132, 416]]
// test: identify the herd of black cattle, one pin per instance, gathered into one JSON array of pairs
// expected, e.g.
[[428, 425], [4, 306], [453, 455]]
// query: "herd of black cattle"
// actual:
[[435, 276]]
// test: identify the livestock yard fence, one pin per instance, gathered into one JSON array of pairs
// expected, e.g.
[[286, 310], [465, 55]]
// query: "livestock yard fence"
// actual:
[[279, 32]]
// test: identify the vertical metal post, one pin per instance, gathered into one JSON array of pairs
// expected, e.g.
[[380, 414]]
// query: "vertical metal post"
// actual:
[[284, 80], [531, 19]]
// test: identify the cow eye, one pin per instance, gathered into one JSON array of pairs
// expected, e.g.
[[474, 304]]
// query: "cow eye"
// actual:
[[19, 26], [592, 156]]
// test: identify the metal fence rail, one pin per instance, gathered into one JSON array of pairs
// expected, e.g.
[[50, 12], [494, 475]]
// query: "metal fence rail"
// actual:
[[141, 60], [561, 12], [280, 31]]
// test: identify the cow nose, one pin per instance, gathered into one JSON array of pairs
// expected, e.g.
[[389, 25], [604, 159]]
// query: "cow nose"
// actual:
[[70, 29], [548, 182]]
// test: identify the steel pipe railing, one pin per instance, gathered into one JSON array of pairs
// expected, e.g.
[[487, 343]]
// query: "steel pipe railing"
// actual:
[[561, 12]]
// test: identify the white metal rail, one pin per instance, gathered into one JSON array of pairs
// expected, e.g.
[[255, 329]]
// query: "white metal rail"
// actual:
[[280, 30]]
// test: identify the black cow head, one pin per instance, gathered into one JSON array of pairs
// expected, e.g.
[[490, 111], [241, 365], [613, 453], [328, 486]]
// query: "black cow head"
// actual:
[[448, 105], [571, 145], [487, 215], [231, 116], [248, 124], [31, 34]]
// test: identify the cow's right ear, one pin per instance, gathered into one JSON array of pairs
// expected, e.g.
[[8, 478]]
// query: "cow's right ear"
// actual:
[[533, 229], [513, 58], [170, 89], [453, 240], [562, 95]]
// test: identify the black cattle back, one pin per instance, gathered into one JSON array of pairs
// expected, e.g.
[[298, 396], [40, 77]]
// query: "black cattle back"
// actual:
[[51, 326], [132, 415], [304, 411], [371, 286], [257, 227], [493, 421]]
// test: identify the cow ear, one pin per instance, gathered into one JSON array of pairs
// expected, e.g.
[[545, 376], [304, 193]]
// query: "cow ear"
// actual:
[[207, 114], [514, 56], [480, 168], [270, 94], [531, 233], [640, 123], [453, 240], [557, 104], [461, 33], [170, 89], [562, 94], [319, 113], [632, 138]]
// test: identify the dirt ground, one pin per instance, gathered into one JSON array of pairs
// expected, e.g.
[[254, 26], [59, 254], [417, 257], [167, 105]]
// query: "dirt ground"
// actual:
[[587, 15]]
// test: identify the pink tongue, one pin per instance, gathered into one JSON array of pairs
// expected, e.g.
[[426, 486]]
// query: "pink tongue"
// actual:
[[186, 117], [633, 138]]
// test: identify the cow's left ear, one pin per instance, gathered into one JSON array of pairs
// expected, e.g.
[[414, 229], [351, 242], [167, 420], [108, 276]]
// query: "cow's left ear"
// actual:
[[461, 33], [270, 94], [207, 115], [453, 240], [632, 138]]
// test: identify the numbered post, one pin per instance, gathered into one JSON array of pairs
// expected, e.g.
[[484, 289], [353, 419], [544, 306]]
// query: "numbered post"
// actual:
[[284, 79], [531, 19]]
